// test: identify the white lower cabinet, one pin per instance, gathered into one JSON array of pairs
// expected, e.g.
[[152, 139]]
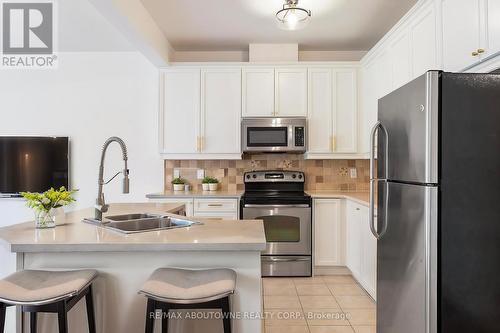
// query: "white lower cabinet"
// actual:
[[361, 247], [218, 209], [210, 208], [328, 232]]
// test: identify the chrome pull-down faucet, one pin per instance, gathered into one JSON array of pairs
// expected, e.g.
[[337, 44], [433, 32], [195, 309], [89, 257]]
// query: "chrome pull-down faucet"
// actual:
[[101, 206]]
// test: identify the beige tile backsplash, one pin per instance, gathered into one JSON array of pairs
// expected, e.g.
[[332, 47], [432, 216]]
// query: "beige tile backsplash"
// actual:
[[320, 174]]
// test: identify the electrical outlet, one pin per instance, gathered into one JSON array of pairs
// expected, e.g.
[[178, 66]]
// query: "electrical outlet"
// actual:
[[353, 173], [200, 173], [177, 173]]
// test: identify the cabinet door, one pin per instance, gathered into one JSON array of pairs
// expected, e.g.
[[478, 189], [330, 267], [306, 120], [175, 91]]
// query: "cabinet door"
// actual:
[[369, 105], [424, 50], [320, 111], [258, 92], [221, 110], [180, 114], [353, 239], [399, 55], [369, 254], [493, 27], [345, 115], [461, 33], [290, 92], [328, 233]]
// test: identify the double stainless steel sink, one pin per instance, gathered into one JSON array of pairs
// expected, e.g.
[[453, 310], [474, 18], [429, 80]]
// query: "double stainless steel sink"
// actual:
[[141, 222]]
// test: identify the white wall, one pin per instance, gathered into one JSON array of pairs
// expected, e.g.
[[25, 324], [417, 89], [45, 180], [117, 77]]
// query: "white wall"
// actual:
[[90, 97]]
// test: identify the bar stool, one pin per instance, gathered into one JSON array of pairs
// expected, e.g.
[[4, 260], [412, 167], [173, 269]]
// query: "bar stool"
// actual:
[[47, 291], [171, 288]]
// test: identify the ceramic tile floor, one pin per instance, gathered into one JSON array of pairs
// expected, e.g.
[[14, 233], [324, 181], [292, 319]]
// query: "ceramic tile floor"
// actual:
[[320, 304]]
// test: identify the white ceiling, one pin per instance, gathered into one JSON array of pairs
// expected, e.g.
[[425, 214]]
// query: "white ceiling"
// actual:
[[216, 25]]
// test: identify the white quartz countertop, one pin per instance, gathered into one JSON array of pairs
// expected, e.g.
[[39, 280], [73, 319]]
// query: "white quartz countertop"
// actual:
[[77, 236], [195, 194]]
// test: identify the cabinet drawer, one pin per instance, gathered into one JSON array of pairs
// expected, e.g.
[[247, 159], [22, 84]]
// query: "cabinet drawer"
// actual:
[[216, 205]]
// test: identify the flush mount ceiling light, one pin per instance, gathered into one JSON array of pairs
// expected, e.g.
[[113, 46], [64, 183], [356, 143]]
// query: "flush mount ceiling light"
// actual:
[[292, 17]]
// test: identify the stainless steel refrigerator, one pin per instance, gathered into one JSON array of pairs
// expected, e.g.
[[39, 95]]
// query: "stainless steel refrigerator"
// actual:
[[435, 166]]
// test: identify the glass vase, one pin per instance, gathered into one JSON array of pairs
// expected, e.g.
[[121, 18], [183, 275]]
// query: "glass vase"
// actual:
[[45, 219]]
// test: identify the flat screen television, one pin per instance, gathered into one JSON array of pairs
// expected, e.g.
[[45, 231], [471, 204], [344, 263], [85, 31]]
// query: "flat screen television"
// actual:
[[33, 164]]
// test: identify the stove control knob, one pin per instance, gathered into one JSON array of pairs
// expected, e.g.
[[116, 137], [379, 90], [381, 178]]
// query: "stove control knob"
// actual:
[[300, 176], [294, 176], [254, 176], [248, 176]]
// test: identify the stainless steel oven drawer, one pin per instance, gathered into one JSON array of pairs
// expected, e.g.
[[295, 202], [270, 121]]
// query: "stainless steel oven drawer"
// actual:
[[286, 265]]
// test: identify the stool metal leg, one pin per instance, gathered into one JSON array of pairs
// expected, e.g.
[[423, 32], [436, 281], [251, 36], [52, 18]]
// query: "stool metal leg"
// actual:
[[2, 317], [150, 316], [226, 313], [90, 310], [33, 322], [62, 316]]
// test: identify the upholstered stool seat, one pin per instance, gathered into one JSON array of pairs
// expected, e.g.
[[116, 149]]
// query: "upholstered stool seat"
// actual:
[[42, 287], [189, 286], [48, 291], [172, 288]]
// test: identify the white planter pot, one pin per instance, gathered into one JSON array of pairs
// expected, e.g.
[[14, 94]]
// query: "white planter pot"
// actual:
[[178, 187], [205, 187], [213, 187]]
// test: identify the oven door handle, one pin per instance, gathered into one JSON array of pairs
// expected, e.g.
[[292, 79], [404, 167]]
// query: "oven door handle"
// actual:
[[281, 259], [277, 206]]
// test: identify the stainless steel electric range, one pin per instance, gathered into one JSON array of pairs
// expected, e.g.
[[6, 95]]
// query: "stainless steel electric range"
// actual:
[[278, 198]]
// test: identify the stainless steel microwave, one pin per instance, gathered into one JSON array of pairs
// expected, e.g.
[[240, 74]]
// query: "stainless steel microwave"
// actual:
[[277, 135]]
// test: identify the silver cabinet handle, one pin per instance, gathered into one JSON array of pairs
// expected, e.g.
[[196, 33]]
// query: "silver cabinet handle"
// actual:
[[373, 180]]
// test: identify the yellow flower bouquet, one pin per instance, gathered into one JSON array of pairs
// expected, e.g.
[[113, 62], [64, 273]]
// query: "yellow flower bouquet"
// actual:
[[44, 204]]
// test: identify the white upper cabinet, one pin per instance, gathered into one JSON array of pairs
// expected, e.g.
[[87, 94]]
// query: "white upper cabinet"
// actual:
[[399, 57], [332, 112], [290, 92], [424, 42], [329, 233], [345, 114], [320, 113], [200, 113], [493, 26], [220, 110], [180, 111], [258, 92], [461, 33]]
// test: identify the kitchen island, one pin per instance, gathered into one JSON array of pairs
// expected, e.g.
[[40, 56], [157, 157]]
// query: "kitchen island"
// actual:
[[126, 261]]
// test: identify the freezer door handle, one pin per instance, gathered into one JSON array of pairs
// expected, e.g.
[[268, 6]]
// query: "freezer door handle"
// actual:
[[378, 235], [374, 180]]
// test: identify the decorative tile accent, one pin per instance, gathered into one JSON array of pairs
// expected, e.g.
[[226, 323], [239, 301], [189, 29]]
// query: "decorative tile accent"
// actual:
[[330, 175]]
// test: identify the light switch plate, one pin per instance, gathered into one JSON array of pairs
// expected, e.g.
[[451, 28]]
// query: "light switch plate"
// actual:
[[353, 173], [200, 173], [177, 173]]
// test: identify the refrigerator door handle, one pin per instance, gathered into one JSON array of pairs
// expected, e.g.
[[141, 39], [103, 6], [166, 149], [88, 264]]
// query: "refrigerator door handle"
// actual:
[[378, 125], [376, 234]]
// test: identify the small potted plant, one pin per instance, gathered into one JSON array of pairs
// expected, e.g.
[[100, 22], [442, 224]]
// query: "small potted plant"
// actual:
[[46, 205], [205, 183], [178, 184], [213, 184]]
